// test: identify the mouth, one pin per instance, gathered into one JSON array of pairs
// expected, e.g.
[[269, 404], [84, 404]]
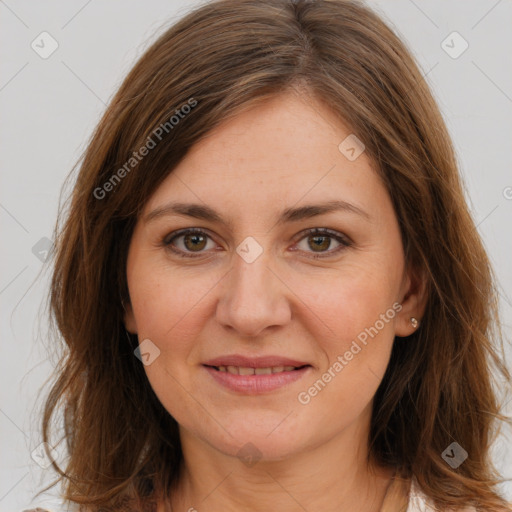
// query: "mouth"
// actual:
[[246, 370], [251, 380]]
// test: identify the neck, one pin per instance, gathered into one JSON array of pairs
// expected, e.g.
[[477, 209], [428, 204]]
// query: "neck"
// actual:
[[332, 477]]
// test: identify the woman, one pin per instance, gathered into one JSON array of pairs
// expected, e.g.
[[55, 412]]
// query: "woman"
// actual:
[[270, 288]]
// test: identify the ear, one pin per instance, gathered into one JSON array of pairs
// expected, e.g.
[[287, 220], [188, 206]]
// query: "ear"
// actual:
[[414, 300], [129, 318]]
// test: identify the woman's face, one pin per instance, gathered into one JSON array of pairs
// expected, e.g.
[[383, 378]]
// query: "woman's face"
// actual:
[[254, 284]]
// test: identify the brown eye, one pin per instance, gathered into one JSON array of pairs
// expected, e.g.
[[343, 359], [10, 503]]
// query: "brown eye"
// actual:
[[187, 242], [320, 240], [194, 241]]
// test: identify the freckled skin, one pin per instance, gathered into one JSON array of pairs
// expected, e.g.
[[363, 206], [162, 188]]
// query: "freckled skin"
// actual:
[[278, 155]]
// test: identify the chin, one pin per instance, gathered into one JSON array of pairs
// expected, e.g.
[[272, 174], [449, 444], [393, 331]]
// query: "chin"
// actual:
[[249, 443]]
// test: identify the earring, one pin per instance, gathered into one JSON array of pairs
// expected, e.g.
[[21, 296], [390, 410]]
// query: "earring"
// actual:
[[414, 322]]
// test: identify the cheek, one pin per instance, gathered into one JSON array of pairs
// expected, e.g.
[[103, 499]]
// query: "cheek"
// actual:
[[364, 320], [357, 310], [166, 299], [349, 300], [357, 321], [169, 307]]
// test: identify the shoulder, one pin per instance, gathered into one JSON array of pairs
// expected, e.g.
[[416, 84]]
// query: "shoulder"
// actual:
[[419, 502]]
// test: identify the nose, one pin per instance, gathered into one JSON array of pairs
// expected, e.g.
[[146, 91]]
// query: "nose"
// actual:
[[253, 297]]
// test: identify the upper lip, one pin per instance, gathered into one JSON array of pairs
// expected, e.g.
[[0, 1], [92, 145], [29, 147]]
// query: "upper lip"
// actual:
[[254, 362]]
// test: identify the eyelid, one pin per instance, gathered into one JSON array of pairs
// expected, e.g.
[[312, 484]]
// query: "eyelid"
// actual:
[[324, 231], [184, 231]]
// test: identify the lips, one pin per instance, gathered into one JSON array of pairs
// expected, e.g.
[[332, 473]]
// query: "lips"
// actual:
[[255, 375], [247, 370]]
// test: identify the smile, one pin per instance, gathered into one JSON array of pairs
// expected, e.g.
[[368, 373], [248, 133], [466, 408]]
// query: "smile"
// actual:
[[252, 381], [241, 370]]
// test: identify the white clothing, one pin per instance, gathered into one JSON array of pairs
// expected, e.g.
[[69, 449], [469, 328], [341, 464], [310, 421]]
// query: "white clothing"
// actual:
[[419, 502]]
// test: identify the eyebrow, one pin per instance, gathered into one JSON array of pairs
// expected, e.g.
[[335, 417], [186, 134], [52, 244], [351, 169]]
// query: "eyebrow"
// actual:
[[203, 212]]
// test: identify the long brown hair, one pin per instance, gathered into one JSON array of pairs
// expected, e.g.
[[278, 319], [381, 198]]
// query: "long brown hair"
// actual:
[[221, 58]]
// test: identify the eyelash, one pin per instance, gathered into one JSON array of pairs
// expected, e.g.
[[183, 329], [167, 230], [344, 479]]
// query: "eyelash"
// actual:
[[343, 240]]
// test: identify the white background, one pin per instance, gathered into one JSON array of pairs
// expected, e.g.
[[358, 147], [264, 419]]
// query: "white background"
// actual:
[[49, 108]]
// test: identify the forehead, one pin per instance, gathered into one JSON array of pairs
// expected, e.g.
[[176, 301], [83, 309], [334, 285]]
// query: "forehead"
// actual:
[[276, 154]]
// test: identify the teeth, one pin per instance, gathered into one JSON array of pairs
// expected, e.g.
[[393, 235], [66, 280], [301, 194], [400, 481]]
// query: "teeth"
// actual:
[[262, 371], [240, 370]]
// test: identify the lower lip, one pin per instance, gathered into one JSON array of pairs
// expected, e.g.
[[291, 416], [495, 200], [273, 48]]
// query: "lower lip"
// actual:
[[256, 384]]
